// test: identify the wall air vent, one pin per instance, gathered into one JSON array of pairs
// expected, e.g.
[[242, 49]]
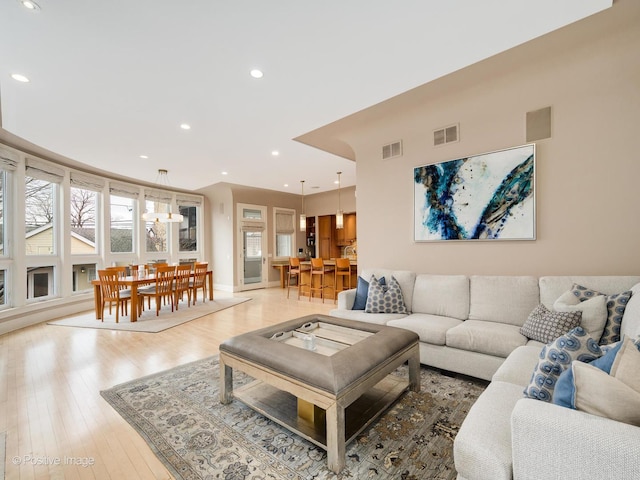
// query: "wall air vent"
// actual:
[[445, 135], [392, 150]]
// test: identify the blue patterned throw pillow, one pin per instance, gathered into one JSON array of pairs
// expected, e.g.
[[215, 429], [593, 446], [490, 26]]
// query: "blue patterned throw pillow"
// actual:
[[385, 298], [616, 305], [556, 357]]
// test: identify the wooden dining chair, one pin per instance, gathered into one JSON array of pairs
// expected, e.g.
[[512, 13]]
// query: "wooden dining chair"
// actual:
[[111, 292], [161, 289], [343, 269], [199, 280], [295, 271], [318, 270], [122, 272], [181, 284]]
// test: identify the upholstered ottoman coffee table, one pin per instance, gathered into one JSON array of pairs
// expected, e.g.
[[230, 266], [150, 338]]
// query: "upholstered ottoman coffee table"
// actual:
[[321, 377]]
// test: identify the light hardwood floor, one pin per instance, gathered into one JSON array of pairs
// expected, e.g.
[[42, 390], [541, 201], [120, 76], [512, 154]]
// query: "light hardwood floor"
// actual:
[[51, 377]]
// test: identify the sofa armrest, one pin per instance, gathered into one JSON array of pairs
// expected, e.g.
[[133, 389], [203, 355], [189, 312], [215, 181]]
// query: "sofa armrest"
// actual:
[[549, 441], [346, 299]]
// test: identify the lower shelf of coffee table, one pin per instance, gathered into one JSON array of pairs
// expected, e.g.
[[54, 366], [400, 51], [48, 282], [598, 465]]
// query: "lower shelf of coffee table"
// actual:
[[281, 407]]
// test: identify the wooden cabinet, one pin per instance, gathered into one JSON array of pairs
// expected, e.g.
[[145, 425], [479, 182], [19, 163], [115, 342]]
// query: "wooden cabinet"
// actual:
[[347, 235], [326, 234], [331, 239]]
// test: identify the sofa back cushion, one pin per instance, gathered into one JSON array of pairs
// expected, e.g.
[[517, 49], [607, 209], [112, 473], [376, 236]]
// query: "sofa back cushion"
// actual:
[[444, 295], [631, 320], [551, 287], [503, 299], [405, 278]]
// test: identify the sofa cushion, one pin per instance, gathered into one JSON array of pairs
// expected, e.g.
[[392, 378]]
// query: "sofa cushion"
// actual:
[[482, 447], [551, 287], [430, 328], [556, 357], [594, 312], [361, 316], [631, 319], [507, 299], [518, 366], [545, 325], [492, 338], [445, 295], [385, 298]]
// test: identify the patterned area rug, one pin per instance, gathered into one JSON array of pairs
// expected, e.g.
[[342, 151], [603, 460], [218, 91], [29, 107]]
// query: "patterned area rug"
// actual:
[[179, 414]]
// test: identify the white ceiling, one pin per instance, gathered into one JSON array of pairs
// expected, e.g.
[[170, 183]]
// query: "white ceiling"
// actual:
[[113, 80]]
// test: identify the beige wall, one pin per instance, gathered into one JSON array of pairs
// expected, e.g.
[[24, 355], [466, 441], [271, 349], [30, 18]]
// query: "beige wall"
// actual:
[[588, 172]]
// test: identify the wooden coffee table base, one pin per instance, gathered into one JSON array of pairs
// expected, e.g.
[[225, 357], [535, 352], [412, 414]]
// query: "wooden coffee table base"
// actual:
[[275, 396]]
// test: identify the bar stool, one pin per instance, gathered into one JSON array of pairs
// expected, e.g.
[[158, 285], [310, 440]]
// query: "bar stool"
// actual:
[[295, 271], [343, 269], [318, 269]]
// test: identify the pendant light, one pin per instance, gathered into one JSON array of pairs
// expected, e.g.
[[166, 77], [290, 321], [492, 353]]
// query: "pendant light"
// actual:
[[164, 217], [339, 216], [303, 217]]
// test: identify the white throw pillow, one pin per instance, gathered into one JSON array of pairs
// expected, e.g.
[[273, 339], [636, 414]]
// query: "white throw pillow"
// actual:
[[594, 312]]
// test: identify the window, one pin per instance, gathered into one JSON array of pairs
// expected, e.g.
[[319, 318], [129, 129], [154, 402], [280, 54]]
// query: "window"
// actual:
[[83, 221], [2, 277], [156, 232], [40, 282], [251, 214], [285, 232], [121, 232], [3, 239], [84, 198], [39, 216], [83, 274], [188, 240]]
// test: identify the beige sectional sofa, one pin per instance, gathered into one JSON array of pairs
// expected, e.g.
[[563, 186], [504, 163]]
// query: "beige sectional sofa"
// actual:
[[471, 325]]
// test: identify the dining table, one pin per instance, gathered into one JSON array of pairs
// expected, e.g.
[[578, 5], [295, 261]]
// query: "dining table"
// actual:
[[133, 282]]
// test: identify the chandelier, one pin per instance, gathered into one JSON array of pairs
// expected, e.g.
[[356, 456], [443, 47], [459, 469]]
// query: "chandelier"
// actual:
[[163, 217]]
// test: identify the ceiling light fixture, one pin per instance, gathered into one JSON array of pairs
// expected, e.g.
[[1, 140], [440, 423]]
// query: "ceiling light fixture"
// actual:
[[164, 217], [255, 73], [339, 216], [19, 78], [144, 156], [275, 153], [30, 5], [303, 217], [185, 126]]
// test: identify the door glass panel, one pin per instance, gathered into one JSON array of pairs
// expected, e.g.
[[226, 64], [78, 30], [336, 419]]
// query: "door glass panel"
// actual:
[[252, 245]]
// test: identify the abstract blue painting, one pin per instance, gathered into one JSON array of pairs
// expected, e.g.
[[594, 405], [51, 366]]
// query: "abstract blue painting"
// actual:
[[483, 197]]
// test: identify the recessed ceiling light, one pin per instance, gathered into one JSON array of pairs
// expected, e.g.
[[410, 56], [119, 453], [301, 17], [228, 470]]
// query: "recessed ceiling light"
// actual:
[[286, 185], [275, 153], [19, 78], [144, 156], [185, 126], [255, 73], [29, 4], [224, 173]]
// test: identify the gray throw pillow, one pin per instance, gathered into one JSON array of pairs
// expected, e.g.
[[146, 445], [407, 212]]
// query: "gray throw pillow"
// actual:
[[385, 298], [545, 325]]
